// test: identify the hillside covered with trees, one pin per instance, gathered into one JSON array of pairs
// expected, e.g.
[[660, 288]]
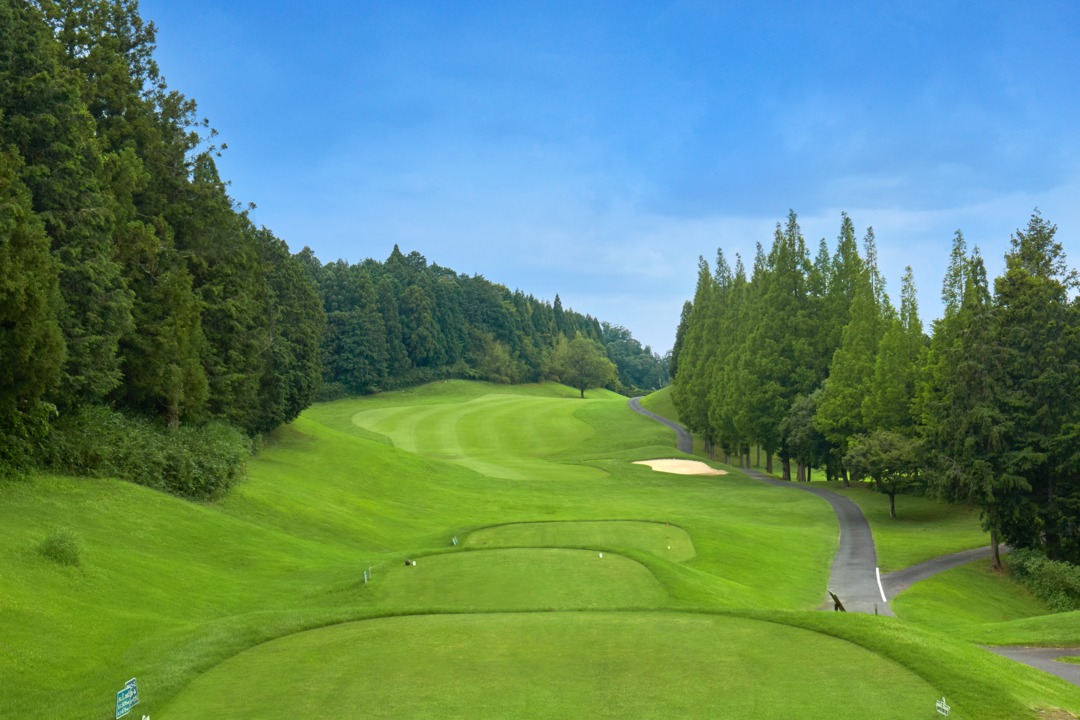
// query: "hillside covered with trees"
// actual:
[[808, 358], [403, 322], [149, 329]]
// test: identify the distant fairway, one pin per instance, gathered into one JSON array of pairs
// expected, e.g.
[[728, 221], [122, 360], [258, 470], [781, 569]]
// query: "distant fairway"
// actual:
[[502, 436], [580, 665]]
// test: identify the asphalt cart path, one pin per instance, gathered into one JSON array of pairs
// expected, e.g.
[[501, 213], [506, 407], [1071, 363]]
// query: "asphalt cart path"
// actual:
[[683, 441], [899, 581], [1044, 659], [854, 575]]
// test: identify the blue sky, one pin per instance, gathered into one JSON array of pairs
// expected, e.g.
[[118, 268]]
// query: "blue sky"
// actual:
[[596, 149]]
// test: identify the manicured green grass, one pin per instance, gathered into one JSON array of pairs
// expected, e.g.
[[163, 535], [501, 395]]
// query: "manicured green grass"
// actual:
[[515, 579], [177, 593], [661, 539], [959, 600], [595, 665], [660, 402]]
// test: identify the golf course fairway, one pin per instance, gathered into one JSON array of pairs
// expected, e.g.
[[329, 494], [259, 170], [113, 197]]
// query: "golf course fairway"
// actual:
[[468, 550]]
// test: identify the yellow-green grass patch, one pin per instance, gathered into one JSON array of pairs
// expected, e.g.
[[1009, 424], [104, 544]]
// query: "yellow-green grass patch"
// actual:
[[661, 403]]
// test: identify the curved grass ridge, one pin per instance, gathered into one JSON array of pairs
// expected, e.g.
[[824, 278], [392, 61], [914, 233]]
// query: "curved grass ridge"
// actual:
[[600, 665]]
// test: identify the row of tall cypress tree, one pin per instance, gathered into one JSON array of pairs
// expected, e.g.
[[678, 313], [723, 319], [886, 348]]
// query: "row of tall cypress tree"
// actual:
[[807, 358]]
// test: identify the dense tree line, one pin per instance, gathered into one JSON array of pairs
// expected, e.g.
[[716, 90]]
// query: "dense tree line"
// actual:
[[137, 297], [128, 276], [404, 321], [807, 358]]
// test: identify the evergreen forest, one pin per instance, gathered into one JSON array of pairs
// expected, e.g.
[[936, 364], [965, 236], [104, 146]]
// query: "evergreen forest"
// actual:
[[806, 357], [150, 330]]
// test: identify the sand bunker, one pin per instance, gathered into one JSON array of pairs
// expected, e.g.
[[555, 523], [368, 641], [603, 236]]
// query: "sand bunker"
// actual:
[[681, 467]]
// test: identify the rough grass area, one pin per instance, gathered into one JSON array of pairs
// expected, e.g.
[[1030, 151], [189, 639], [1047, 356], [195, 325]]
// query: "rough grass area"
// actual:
[[61, 546], [961, 599]]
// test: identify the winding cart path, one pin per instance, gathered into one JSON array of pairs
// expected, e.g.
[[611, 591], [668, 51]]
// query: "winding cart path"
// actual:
[[854, 573]]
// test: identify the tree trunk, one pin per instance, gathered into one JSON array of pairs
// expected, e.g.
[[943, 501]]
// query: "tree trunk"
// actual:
[[785, 465], [758, 456], [768, 461], [808, 471], [727, 458], [800, 471], [843, 472], [582, 393], [892, 505], [996, 550]]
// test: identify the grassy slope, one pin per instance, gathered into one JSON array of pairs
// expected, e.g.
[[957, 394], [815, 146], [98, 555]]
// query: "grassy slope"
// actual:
[[169, 589], [660, 402]]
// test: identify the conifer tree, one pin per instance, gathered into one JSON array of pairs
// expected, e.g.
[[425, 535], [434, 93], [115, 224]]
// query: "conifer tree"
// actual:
[[851, 371], [961, 401], [1039, 336], [31, 344]]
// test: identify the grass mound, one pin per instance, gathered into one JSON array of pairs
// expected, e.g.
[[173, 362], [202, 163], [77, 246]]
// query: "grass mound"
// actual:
[[596, 665], [516, 579]]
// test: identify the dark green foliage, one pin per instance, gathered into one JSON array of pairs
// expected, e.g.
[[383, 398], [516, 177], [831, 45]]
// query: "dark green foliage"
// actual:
[[31, 344], [128, 276], [193, 461], [986, 411], [1056, 583], [404, 322], [1038, 334], [62, 546], [640, 370]]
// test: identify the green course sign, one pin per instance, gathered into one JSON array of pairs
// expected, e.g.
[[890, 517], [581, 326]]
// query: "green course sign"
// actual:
[[127, 698]]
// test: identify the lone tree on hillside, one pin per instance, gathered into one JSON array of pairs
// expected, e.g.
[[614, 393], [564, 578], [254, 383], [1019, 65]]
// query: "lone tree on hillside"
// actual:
[[581, 363], [888, 457]]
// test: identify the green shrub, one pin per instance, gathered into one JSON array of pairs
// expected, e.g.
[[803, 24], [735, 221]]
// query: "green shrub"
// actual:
[[194, 461], [62, 546], [1054, 582], [331, 391]]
